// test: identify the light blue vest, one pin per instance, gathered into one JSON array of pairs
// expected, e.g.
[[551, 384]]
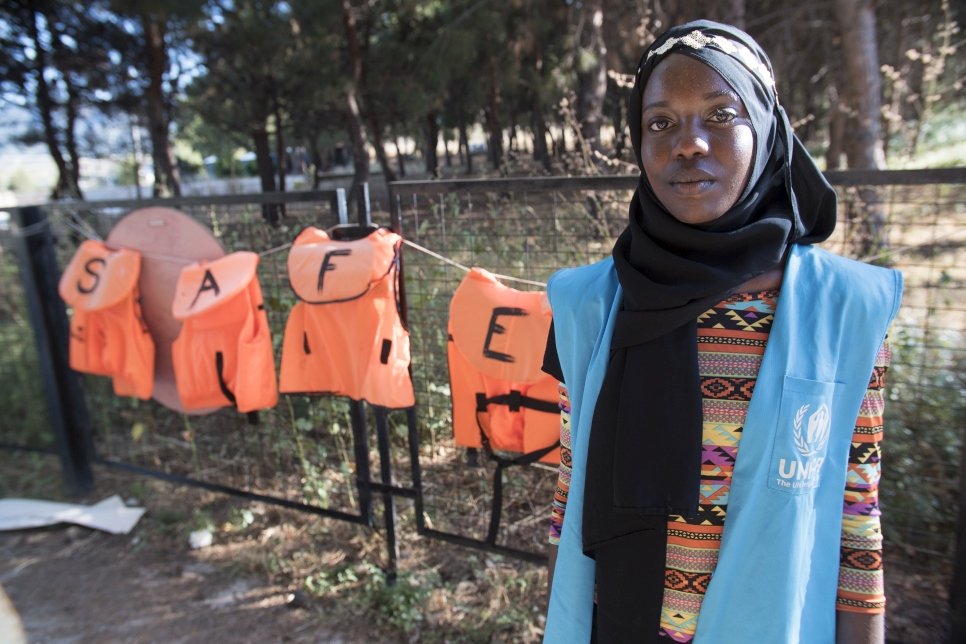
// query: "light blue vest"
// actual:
[[777, 573]]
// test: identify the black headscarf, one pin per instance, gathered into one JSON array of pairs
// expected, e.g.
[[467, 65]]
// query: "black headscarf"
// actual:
[[645, 450]]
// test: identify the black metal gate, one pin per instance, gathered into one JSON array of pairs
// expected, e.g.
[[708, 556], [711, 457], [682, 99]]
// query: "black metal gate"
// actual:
[[49, 234]]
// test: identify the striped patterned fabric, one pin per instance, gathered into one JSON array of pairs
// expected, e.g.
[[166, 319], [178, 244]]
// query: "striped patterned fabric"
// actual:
[[731, 342], [563, 477]]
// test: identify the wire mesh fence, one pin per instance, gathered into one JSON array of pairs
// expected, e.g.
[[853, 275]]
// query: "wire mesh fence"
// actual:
[[518, 228], [24, 421], [529, 228], [303, 449]]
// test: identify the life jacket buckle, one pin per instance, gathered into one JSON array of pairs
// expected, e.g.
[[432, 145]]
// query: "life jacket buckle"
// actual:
[[514, 400]]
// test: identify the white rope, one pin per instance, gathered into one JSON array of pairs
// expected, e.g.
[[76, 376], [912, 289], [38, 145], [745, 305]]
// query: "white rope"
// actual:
[[78, 229], [277, 249], [32, 229], [467, 270], [81, 227]]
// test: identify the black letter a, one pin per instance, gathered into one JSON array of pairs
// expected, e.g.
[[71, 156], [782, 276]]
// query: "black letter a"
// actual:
[[208, 283]]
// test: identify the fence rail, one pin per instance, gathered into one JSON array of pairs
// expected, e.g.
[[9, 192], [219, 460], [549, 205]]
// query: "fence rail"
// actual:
[[529, 228], [315, 453]]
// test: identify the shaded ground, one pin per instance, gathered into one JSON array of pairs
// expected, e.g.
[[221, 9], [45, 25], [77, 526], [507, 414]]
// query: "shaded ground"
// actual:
[[77, 585], [272, 575]]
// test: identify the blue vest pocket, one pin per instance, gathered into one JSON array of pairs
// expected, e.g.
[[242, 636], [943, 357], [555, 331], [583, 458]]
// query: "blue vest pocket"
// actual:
[[801, 435]]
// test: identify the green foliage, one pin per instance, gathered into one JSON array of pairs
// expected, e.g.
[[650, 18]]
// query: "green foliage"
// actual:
[[22, 399], [943, 143], [32, 476], [925, 416], [240, 518], [397, 606]]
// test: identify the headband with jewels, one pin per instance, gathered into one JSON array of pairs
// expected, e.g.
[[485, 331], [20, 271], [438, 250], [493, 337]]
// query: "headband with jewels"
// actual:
[[698, 40]]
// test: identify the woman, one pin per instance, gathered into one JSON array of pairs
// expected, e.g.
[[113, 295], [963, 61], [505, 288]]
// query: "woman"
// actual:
[[668, 533]]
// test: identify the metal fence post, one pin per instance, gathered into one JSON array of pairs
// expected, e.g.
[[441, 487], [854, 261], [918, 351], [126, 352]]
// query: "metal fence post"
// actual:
[[382, 433], [360, 442], [339, 205], [62, 388], [395, 206], [388, 502], [365, 208], [357, 410], [957, 588]]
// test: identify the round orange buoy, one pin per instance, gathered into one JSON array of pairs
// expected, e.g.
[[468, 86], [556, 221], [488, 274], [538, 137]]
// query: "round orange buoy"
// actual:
[[168, 240]]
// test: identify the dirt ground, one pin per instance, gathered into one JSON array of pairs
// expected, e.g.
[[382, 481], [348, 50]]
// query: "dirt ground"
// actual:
[[73, 584], [270, 575]]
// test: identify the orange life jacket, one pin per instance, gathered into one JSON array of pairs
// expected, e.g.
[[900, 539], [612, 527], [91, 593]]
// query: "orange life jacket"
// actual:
[[497, 337], [107, 333], [345, 336], [223, 354]]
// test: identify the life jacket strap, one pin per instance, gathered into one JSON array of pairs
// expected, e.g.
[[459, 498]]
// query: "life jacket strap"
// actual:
[[515, 400], [251, 416], [503, 462], [219, 367]]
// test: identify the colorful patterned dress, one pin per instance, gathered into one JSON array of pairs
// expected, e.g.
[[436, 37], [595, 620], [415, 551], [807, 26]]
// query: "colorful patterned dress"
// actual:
[[731, 342]]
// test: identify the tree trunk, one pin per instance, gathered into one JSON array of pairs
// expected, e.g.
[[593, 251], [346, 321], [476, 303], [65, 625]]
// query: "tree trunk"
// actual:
[[863, 145], [166, 176], [316, 156], [354, 122], [67, 186], [465, 141], [494, 128], [591, 74], [619, 136], [71, 105], [446, 151], [400, 161], [863, 139], [360, 147], [539, 125], [431, 158], [514, 142], [70, 138], [360, 79], [266, 172], [837, 123], [377, 141], [135, 155], [280, 157]]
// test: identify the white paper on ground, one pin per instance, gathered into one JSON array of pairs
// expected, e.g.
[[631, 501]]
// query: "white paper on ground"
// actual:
[[11, 628], [110, 515]]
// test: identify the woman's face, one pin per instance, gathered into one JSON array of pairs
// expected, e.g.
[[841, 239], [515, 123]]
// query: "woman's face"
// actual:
[[697, 143]]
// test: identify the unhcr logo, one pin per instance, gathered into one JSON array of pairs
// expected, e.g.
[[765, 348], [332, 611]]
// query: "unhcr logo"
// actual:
[[810, 435], [816, 437]]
